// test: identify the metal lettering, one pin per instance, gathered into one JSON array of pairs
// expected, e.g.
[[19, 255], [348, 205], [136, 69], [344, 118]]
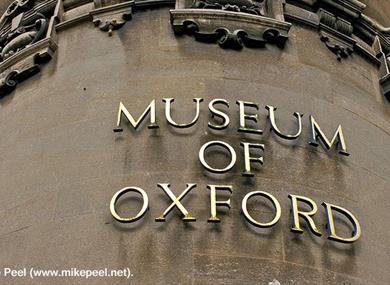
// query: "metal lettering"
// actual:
[[122, 192]]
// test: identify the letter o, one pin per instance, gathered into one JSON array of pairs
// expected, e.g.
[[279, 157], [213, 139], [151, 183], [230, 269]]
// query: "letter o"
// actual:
[[252, 220], [224, 145], [122, 192]]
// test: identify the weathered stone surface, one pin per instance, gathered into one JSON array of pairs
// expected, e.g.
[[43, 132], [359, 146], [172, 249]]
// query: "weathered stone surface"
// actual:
[[378, 11], [61, 163]]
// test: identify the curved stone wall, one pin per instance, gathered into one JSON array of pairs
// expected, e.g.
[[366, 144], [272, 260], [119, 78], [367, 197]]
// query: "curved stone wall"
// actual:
[[61, 162], [379, 11]]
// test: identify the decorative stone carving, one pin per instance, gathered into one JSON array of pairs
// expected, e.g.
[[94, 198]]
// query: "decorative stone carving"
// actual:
[[27, 40], [330, 21], [244, 6], [336, 33], [346, 29], [334, 19], [232, 23], [341, 48], [109, 18]]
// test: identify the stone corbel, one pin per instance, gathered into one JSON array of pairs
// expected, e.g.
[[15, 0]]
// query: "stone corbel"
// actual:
[[20, 60], [232, 24], [110, 18]]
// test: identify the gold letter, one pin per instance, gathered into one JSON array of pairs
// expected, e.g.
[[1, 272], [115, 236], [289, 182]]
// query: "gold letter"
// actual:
[[316, 132], [176, 202], [120, 193], [215, 203], [217, 170], [168, 102], [252, 220], [331, 228], [248, 158], [215, 112], [271, 111], [306, 215], [243, 117], [122, 109]]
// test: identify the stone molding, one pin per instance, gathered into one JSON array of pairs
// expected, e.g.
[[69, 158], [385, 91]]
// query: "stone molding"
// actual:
[[104, 15], [112, 17], [27, 40], [230, 29], [232, 23], [345, 29], [342, 27]]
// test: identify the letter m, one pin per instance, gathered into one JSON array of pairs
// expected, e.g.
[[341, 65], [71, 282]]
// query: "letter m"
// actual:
[[317, 134], [136, 123]]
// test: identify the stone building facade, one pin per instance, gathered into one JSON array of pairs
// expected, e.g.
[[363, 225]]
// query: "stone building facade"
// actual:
[[67, 65]]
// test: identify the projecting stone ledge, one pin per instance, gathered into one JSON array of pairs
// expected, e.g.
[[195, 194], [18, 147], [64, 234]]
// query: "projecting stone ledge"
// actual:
[[230, 29]]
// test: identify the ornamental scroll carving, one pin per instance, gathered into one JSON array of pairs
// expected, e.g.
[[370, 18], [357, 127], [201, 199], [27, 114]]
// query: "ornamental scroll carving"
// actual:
[[26, 40], [232, 23], [111, 15]]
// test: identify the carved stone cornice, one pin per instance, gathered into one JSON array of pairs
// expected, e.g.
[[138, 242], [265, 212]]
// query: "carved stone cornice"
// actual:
[[341, 24], [336, 33], [229, 29], [344, 28], [244, 6], [232, 23], [350, 9], [27, 40], [106, 16]]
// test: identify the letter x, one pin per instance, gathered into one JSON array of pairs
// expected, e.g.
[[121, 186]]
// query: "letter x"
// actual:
[[176, 202]]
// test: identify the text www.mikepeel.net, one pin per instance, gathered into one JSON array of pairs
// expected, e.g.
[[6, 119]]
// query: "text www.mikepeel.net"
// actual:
[[73, 272]]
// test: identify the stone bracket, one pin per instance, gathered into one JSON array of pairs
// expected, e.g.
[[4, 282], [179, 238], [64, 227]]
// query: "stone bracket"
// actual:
[[112, 17], [229, 29]]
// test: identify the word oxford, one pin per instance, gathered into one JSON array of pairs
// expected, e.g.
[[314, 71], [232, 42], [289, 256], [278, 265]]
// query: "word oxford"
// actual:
[[220, 120]]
